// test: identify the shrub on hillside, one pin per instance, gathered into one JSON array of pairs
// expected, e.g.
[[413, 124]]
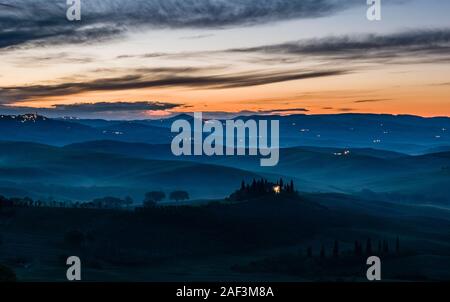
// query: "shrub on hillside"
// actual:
[[7, 274]]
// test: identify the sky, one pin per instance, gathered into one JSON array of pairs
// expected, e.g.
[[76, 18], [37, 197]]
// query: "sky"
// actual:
[[146, 59]]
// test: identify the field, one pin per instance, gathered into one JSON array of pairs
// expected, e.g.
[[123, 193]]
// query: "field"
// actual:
[[226, 241]]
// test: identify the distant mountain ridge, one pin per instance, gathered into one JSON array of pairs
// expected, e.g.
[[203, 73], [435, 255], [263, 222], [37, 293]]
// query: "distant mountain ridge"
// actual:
[[59, 132], [404, 134]]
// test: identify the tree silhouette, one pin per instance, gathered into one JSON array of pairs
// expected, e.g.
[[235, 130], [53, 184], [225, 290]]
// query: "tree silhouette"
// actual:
[[7, 274], [263, 188], [385, 247], [128, 201], [28, 202], [152, 198], [179, 196], [322, 252], [336, 249], [3, 201], [358, 248], [74, 238], [106, 203], [292, 188], [397, 245], [369, 247]]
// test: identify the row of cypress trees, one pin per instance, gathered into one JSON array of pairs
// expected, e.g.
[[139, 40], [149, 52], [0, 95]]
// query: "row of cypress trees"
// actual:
[[359, 250]]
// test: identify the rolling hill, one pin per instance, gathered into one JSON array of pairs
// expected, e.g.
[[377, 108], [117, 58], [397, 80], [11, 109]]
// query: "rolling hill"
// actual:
[[318, 169], [348, 153], [27, 165]]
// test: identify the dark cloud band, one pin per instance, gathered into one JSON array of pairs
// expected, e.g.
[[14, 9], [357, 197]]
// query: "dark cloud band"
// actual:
[[141, 81], [427, 45], [115, 107], [43, 21]]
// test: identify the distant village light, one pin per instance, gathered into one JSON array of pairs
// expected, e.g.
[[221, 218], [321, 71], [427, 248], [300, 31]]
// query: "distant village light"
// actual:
[[277, 189]]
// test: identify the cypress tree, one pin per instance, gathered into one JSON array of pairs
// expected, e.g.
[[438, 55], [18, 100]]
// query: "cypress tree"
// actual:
[[385, 247], [322, 252], [397, 245], [369, 247], [357, 249], [336, 249]]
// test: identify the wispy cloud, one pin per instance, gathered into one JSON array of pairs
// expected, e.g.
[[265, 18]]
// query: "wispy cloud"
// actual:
[[42, 21], [371, 101], [33, 61], [162, 80], [408, 47], [197, 37], [346, 109], [426, 45], [284, 110], [8, 5], [115, 107]]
